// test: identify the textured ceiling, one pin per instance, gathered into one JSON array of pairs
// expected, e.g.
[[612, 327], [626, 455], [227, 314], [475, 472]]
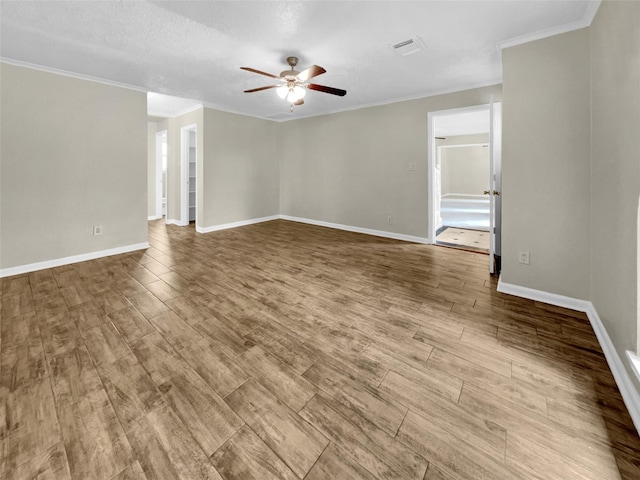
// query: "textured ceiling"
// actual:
[[194, 49]]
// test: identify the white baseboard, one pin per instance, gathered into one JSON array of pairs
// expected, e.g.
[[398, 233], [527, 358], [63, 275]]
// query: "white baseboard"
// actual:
[[367, 231], [32, 267], [628, 391], [171, 221], [241, 223], [154, 217], [544, 297], [634, 360]]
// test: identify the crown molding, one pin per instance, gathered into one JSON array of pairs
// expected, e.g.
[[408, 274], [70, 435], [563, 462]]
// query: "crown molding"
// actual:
[[433, 93], [180, 113], [585, 21], [79, 76], [213, 106]]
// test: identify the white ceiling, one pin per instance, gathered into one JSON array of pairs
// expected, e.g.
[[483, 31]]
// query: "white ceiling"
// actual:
[[193, 49], [160, 105]]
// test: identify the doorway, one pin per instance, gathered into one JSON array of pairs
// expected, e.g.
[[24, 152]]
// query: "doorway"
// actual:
[[189, 155], [161, 174], [464, 179]]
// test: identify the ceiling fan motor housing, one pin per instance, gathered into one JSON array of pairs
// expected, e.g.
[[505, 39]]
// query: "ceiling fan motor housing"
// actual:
[[290, 74]]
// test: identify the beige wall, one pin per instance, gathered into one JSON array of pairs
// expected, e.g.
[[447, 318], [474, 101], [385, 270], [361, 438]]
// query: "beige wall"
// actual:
[[615, 182], [238, 168], [571, 167], [240, 173], [67, 145], [546, 170], [465, 169], [352, 168]]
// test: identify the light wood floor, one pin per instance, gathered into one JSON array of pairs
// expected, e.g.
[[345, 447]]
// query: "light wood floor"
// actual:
[[283, 350]]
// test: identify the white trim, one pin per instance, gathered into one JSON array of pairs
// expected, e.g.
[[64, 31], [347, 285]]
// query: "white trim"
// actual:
[[420, 96], [585, 21], [634, 361], [240, 223], [481, 144], [338, 226], [298, 116], [160, 135], [542, 296], [367, 231], [591, 11], [32, 267], [173, 221], [629, 393], [65, 73], [153, 217], [210, 105], [431, 159], [348, 228], [432, 155], [193, 108]]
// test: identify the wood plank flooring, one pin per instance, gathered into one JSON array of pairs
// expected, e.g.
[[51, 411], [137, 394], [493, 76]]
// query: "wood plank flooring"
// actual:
[[288, 351]]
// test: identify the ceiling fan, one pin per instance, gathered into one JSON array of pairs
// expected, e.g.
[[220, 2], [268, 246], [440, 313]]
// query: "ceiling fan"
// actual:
[[293, 84]]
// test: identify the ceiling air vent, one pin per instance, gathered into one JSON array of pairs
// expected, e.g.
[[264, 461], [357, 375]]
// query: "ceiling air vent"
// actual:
[[408, 47]]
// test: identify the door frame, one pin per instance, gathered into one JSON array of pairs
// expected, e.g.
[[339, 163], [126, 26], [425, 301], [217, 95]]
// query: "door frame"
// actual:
[[495, 186], [158, 202], [184, 172], [432, 119]]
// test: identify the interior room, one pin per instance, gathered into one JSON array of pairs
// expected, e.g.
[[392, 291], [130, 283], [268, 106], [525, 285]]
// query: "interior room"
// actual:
[[219, 254], [462, 171]]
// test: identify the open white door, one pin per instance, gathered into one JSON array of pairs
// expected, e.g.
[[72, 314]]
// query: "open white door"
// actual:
[[495, 187]]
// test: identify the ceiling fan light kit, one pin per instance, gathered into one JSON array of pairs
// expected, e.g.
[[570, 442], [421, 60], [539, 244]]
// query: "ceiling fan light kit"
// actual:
[[294, 86]]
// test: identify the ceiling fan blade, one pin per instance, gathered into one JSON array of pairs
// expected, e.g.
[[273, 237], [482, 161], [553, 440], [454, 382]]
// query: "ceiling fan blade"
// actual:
[[312, 71], [259, 89], [258, 72], [299, 102], [331, 90]]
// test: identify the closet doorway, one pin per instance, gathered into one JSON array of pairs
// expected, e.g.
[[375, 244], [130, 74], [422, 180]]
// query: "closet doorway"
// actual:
[[189, 155]]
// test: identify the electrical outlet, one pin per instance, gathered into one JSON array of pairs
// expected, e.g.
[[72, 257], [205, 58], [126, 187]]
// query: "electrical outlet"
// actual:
[[97, 230], [390, 220], [523, 257], [304, 207], [412, 165]]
